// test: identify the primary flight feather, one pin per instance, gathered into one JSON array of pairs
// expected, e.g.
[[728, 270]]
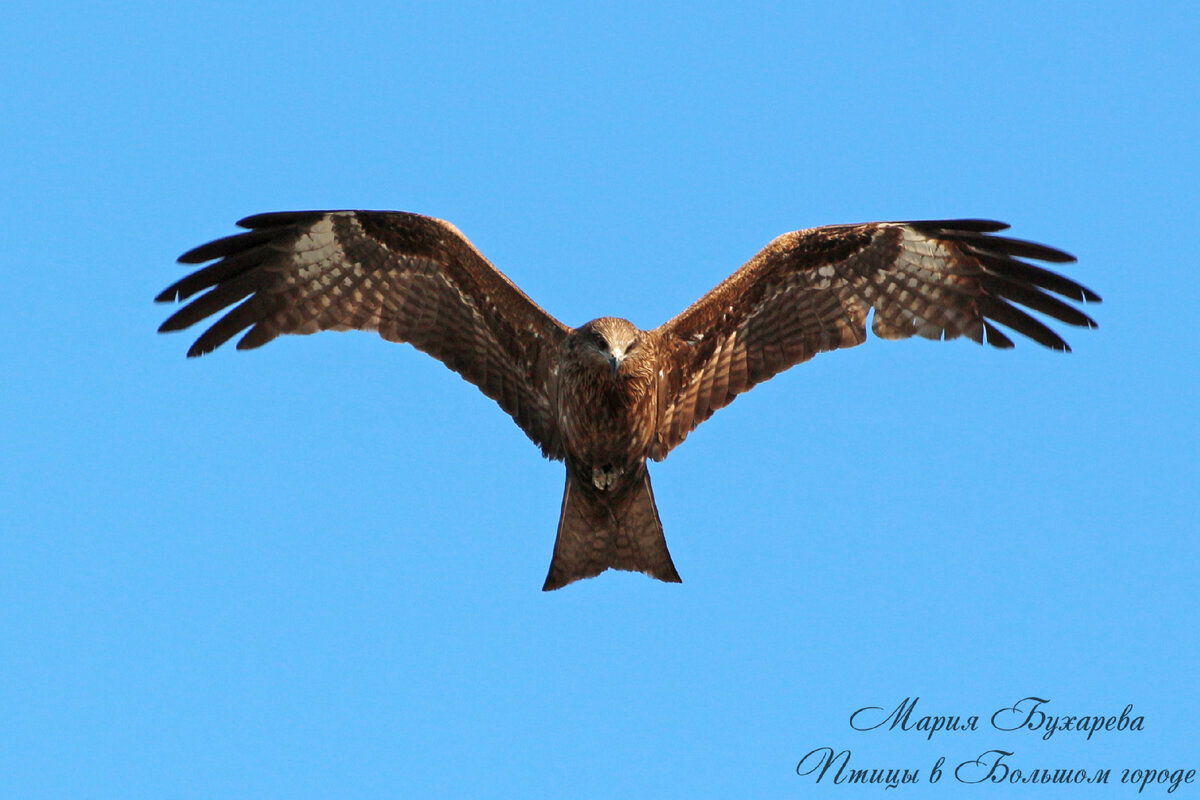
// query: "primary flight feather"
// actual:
[[606, 396]]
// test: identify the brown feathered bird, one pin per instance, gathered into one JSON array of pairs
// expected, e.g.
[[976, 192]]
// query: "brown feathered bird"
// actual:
[[606, 396]]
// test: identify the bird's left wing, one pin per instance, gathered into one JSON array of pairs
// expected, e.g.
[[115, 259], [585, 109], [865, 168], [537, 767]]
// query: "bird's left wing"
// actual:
[[411, 278], [810, 291]]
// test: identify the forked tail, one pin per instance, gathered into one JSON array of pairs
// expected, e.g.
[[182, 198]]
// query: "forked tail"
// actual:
[[599, 531]]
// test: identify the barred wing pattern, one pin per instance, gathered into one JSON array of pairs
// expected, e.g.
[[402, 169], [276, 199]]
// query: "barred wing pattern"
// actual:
[[810, 291], [412, 278]]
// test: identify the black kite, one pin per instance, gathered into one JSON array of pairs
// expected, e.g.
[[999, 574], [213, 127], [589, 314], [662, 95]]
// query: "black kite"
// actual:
[[606, 396]]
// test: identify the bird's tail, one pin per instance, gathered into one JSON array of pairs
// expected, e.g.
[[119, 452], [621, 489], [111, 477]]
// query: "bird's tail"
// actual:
[[597, 532]]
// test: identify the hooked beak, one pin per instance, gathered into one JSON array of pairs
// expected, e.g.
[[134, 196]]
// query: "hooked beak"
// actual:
[[615, 357]]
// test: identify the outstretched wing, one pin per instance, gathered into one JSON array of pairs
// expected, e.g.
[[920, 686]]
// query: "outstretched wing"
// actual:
[[414, 279], [810, 291]]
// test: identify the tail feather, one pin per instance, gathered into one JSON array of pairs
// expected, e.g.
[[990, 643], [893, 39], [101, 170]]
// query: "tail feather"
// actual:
[[597, 532]]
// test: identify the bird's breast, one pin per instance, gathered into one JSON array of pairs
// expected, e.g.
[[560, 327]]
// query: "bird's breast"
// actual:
[[606, 422]]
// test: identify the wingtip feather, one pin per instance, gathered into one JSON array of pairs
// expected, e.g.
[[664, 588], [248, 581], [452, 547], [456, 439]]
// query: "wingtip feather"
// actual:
[[274, 219], [964, 225]]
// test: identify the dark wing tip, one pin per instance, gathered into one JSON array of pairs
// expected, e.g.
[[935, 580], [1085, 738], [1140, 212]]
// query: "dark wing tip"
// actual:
[[996, 338], [169, 295], [171, 324], [226, 245], [970, 232], [940, 226], [1009, 283], [997, 309], [198, 255], [262, 228], [1011, 287], [275, 219]]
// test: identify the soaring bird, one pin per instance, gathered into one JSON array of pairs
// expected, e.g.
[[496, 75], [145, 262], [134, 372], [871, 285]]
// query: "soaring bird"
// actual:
[[607, 396]]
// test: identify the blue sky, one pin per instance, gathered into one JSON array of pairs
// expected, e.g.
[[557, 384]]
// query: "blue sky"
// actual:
[[313, 569]]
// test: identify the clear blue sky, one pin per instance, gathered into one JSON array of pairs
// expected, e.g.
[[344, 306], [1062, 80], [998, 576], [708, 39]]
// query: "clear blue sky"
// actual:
[[314, 570]]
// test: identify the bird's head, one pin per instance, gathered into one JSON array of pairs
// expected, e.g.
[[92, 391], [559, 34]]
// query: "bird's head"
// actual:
[[607, 341]]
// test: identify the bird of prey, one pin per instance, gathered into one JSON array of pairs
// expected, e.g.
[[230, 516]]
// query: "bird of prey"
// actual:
[[606, 396]]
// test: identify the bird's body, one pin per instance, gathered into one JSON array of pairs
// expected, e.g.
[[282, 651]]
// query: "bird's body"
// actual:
[[608, 408], [606, 397]]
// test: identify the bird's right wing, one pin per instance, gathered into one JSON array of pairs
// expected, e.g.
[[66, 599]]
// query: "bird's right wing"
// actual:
[[810, 291], [411, 278]]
